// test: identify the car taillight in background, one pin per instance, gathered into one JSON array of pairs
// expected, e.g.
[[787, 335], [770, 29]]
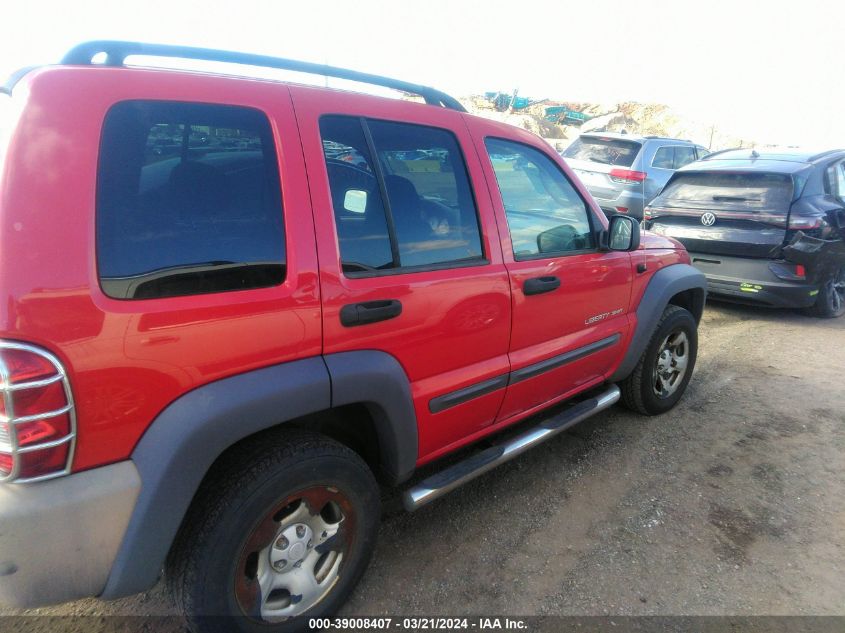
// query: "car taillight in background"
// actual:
[[788, 271], [37, 417], [626, 176]]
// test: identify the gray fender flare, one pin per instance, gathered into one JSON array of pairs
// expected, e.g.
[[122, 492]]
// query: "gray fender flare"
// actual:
[[185, 439], [664, 284]]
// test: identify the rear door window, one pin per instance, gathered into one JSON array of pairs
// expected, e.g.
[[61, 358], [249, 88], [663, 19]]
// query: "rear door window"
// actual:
[[673, 156], [188, 201], [684, 155], [608, 151], [836, 178], [401, 196], [664, 158]]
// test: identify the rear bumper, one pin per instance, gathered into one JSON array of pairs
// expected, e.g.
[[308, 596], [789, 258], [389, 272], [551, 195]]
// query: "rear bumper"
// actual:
[[630, 200], [59, 538], [749, 280]]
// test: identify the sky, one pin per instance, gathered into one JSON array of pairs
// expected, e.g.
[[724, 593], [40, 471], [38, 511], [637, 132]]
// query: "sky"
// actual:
[[769, 71]]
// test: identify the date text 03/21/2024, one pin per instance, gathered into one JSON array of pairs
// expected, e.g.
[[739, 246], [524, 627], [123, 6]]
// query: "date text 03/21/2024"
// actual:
[[417, 624]]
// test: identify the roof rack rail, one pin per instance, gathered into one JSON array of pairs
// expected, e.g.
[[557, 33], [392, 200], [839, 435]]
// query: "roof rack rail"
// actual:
[[116, 53], [722, 151], [824, 154]]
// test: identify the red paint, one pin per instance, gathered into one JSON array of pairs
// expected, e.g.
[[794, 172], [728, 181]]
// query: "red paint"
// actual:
[[127, 360]]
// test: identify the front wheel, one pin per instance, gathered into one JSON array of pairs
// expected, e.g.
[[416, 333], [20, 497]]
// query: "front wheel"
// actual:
[[664, 370], [280, 533], [830, 302]]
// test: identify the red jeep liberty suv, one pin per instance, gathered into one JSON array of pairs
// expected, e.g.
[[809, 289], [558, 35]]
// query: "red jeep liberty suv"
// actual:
[[232, 308]]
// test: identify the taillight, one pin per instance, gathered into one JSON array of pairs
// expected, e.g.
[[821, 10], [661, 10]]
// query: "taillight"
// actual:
[[621, 209], [37, 417], [626, 175], [648, 213]]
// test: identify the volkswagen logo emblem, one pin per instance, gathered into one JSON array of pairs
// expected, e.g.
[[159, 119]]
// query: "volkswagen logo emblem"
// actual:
[[708, 219]]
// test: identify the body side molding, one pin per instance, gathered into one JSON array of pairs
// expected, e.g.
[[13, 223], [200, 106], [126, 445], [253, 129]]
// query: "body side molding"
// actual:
[[664, 284], [554, 362]]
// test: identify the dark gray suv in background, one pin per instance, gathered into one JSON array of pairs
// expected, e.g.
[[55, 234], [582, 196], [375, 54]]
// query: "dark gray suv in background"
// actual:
[[764, 227], [624, 172]]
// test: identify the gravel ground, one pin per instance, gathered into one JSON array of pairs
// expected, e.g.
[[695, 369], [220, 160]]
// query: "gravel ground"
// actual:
[[733, 503]]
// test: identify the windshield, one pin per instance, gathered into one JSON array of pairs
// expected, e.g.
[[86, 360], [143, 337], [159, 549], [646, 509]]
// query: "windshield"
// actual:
[[609, 151]]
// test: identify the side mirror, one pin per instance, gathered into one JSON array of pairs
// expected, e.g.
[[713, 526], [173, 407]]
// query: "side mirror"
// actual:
[[623, 234]]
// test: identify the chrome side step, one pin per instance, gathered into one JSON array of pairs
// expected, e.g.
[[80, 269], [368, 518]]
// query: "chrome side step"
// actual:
[[458, 474]]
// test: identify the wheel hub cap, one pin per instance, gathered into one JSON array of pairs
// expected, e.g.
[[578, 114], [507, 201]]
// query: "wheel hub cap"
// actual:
[[671, 365], [293, 558]]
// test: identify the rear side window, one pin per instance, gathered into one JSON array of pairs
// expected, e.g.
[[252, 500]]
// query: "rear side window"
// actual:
[[609, 151], [401, 195], [188, 201], [740, 191]]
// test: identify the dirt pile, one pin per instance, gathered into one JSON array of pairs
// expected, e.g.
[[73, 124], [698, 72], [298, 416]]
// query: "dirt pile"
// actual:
[[631, 117]]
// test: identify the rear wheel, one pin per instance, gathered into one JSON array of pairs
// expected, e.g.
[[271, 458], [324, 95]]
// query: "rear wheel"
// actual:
[[664, 370], [830, 302], [280, 533]]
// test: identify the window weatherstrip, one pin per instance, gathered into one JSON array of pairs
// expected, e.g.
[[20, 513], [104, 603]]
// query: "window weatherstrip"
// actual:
[[388, 210]]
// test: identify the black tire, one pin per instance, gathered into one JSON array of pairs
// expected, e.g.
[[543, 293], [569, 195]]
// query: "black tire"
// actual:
[[211, 572], [830, 302], [638, 389]]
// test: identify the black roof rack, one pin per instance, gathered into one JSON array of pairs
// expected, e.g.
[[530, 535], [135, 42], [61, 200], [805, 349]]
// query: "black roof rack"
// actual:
[[722, 151], [14, 78], [116, 53], [666, 138], [824, 154]]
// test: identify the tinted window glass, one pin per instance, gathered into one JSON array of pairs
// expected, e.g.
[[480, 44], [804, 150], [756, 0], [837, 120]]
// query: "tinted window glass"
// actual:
[[684, 155], [432, 217], [840, 180], [663, 158], [429, 194], [188, 201], [359, 213], [545, 213], [740, 191], [609, 151], [702, 152]]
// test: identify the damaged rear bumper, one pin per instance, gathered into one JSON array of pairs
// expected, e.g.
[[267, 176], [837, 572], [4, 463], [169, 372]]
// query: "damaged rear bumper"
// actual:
[[751, 280]]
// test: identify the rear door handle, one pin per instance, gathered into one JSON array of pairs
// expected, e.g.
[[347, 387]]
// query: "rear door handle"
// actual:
[[539, 285], [354, 314]]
